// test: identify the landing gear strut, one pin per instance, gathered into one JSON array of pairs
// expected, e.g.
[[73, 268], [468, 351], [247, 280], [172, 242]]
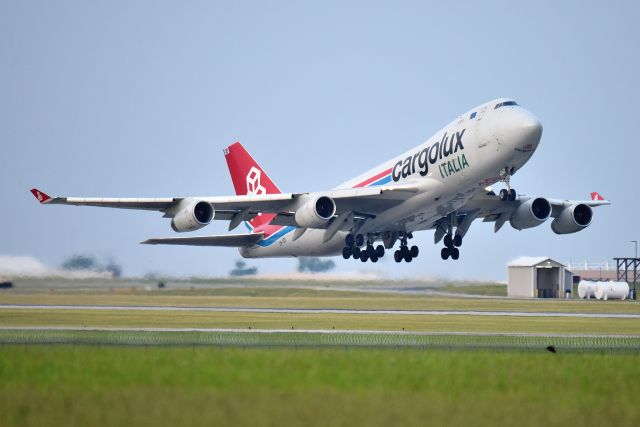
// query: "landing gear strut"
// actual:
[[507, 194]]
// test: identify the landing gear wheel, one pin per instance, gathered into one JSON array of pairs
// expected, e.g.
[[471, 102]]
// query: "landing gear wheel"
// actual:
[[512, 195], [380, 251], [448, 241], [457, 240], [374, 258], [359, 240], [349, 240], [363, 256], [444, 253], [346, 252], [397, 256], [407, 256], [414, 251], [356, 252], [455, 253], [504, 195], [370, 251]]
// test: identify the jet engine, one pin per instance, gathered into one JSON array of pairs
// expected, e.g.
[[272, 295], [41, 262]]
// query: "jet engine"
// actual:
[[192, 216], [531, 213], [315, 212], [572, 219]]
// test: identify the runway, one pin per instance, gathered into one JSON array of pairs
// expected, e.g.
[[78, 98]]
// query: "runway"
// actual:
[[320, 311]]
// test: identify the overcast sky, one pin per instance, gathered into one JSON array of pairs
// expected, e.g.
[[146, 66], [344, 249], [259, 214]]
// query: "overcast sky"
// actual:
[[139, 98]]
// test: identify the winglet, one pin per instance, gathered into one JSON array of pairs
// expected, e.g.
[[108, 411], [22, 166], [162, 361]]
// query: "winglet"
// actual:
[[40, 195], [595, 196]]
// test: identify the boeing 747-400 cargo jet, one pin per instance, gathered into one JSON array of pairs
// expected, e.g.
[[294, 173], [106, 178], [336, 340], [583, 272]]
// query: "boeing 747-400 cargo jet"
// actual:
[[441, 185]]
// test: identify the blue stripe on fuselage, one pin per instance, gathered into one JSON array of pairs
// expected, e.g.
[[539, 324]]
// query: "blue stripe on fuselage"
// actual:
[[381, 181], [275, 236]]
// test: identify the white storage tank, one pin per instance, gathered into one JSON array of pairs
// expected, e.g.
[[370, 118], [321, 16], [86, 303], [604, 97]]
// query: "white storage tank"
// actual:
[[611, 290], [586, 289]]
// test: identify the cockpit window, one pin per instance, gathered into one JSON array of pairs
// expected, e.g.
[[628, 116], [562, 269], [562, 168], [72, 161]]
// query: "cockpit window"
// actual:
[[505, 103]]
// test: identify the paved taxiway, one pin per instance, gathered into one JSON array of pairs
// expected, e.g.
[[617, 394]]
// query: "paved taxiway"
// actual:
[[320, 311]]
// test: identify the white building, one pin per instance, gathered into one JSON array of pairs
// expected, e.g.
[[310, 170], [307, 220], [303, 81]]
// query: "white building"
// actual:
[[538, 277]]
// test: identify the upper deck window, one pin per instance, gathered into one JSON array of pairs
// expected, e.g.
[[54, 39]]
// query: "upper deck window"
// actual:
[[505, 103]]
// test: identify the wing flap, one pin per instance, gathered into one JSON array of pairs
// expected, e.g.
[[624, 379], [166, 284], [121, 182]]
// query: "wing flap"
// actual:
[[229, 240]]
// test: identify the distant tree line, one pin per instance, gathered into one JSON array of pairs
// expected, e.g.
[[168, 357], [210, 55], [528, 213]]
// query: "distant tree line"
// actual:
[[91, 263]]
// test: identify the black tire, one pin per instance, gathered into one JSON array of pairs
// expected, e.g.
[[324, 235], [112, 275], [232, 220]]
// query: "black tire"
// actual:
[[504, 195], [349, 240], [444, 253], [380, 251], [512, 195], [370, 251], [407, 256], [455, 253], [397, 255], [346, 252], [448, 241], [364, 257], [374, 258], [414, 251], [356, 252], [359, 240], [457, 240]]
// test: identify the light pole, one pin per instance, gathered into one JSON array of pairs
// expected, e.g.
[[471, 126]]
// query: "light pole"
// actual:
[[636, 243]]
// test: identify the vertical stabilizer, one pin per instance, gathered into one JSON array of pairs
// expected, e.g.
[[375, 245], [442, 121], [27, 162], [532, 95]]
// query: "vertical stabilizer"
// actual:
[[249, 179]]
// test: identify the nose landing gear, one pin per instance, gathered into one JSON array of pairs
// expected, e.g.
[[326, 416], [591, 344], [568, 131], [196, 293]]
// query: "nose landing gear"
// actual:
[[507, 194]]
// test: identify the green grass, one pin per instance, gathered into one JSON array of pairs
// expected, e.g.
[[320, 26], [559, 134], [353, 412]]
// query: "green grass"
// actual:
[[308, 298], [375, 321], [86, 385]]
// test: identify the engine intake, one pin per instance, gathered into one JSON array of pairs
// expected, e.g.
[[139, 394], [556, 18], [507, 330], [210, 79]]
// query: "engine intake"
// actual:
[[192, 217], [572, 219], [315, 212], [531, 213]]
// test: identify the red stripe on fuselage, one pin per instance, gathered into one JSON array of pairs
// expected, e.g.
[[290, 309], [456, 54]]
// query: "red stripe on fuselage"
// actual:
[[373, 179]]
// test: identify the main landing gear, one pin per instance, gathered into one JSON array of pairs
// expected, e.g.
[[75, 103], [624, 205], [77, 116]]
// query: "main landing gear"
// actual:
[[451, 242], [507, 194], [404, 253], [352, 249], [451, 245]]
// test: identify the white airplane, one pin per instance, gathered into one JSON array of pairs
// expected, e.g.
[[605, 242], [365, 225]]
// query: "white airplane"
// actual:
[[441, 185]]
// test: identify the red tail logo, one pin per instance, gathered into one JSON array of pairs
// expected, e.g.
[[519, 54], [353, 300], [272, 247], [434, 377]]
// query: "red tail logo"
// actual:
[[250, 179], [596, 196]]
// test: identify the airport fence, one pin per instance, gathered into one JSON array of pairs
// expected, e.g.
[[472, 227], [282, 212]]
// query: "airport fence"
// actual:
[[337, 339]]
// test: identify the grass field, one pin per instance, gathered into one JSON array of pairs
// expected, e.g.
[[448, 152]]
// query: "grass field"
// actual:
[[80, 386], [307, 298], [385, 322]]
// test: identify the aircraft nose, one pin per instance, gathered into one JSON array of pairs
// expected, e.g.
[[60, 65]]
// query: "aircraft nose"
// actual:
[[522, 130], [531, 129]]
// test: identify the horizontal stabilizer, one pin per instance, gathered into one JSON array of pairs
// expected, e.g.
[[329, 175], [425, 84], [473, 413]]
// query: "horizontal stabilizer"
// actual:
[[229, 240]]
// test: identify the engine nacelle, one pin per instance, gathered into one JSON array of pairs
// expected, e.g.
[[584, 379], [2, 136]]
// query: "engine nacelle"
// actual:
[[315, 212], [531, 213], [193, 216], [572, 219]]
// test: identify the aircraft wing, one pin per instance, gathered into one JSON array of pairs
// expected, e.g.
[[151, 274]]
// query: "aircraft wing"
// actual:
[[487, 205], [229, 240], [370, 201]]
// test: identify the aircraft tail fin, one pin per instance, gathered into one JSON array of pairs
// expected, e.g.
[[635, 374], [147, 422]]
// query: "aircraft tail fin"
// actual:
[[247, 175], [249, 179], [595, 196]]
